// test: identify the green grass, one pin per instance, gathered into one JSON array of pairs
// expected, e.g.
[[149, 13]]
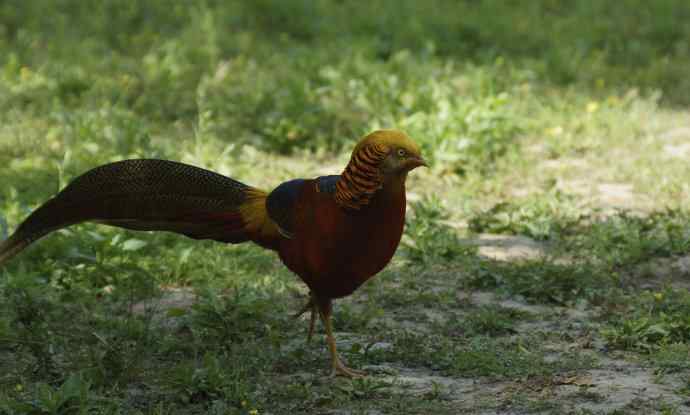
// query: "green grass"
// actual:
[[564, 122]]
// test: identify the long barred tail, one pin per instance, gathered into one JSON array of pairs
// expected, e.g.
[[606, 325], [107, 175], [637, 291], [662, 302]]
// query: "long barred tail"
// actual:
[[149, 194], [11, 247]]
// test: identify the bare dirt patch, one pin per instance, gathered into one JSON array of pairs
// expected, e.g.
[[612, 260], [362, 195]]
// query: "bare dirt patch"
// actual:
[[621, 386], [506, 247]]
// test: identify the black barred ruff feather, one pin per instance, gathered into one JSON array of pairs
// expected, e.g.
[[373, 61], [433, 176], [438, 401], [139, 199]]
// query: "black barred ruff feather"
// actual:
[[362, 177]]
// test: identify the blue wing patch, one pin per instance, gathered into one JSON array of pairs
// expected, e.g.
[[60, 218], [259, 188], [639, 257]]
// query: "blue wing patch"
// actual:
[[280, 204], [326, 184]]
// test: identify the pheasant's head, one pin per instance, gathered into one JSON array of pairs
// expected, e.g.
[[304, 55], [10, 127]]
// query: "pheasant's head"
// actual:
[[392, 151], [382, 158]]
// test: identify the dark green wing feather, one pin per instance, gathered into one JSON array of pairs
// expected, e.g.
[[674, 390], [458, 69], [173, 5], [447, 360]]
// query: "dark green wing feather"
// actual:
[[280, 205]]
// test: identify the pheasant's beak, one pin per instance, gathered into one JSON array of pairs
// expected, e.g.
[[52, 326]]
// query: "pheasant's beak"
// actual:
[[415, 162]]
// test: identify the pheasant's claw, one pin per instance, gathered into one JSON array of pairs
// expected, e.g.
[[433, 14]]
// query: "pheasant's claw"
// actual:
[[339, 369]]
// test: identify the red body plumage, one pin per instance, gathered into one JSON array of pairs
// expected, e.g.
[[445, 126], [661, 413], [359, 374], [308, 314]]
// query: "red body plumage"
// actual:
[[335, 251]]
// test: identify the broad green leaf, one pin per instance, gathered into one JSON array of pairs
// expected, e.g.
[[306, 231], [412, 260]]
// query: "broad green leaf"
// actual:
[[133, 244]]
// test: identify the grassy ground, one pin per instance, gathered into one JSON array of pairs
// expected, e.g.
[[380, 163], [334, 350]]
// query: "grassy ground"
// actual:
[[545, 265]]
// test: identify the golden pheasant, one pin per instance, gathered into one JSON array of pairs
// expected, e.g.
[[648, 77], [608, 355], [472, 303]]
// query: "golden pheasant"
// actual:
[[334, 232]]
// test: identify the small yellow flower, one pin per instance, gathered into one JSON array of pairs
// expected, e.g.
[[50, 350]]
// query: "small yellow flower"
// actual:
[[555, 131], [254, 412], [592, 106], [658, 296], [19, 387], [25, 73]]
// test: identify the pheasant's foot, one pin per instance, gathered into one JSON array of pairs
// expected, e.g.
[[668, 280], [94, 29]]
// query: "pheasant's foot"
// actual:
[[337, 365], [339, 369]]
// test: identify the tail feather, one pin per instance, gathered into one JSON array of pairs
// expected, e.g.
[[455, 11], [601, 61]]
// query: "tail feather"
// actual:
[[11, 247], [151, 194]]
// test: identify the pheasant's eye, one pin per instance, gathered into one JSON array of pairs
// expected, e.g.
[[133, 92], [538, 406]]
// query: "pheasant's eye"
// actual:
[[401, 152]]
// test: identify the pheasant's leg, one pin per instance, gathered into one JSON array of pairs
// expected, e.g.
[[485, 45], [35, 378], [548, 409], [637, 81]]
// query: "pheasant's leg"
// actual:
[[310, 306], [337, 365], [312, 322]]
